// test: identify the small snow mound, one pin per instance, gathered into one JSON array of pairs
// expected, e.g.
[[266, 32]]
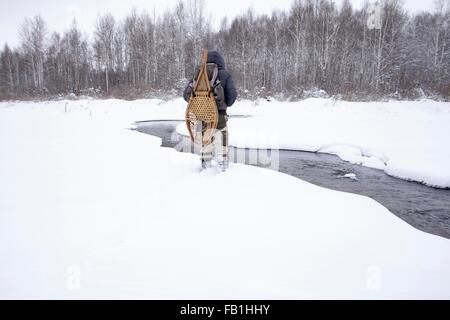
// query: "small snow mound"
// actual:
[[349, 176], [355, 155]]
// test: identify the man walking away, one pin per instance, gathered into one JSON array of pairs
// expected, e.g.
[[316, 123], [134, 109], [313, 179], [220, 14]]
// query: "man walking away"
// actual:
[[225, 95]]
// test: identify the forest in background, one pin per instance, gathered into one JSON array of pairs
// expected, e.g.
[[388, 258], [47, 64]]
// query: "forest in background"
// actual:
[[316, 45]]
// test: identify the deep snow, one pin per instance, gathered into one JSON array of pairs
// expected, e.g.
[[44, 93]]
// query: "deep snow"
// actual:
[[89, 209]]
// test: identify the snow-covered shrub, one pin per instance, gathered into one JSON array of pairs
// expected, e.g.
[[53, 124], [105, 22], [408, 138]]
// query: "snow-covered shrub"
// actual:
[[315, 93]]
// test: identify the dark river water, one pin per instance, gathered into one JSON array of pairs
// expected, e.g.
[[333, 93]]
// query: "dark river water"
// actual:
[[423, 207]]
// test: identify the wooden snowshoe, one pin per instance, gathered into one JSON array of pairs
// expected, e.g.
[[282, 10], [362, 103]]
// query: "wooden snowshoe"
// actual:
[[201, 112]]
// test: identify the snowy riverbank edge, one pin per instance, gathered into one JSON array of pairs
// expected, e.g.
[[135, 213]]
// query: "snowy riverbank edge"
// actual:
[[89, 209], [405, 139]]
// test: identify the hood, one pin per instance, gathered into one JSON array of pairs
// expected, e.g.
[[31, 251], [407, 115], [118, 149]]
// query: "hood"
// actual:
[[215, 57]]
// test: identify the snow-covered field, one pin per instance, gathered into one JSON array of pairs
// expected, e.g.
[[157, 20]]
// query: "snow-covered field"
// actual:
[[89, 209]]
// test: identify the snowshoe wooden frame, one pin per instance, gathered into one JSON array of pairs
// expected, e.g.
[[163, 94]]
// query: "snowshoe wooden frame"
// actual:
[[201, 113]]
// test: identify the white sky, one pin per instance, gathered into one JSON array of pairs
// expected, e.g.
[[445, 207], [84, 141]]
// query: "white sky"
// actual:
[[59, 14]]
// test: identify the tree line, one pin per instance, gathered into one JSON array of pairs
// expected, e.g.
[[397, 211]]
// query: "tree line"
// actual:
[[313, 45]]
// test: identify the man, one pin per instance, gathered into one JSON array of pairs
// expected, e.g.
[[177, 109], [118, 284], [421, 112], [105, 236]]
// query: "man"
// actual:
[[229, 94]]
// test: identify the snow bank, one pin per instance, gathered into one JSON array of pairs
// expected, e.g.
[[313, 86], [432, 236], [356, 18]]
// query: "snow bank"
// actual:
[[89, 209], [406, 139]]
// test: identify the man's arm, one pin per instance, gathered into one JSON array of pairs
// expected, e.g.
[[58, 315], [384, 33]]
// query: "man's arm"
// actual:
[[230, 92], [188, 91]]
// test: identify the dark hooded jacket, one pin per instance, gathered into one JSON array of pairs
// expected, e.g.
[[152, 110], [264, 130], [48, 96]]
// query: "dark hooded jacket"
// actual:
[[225, 79]]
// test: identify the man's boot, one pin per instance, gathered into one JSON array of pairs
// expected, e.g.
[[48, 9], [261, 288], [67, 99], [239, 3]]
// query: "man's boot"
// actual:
[[206, 163], [206, 158], [224, 162]]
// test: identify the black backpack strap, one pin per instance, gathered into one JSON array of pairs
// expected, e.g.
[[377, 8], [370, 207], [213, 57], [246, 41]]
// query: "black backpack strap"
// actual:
[[214, 76]]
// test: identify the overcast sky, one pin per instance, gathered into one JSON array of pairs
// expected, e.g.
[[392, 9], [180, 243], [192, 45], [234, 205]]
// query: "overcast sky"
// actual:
[[59, 14]]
